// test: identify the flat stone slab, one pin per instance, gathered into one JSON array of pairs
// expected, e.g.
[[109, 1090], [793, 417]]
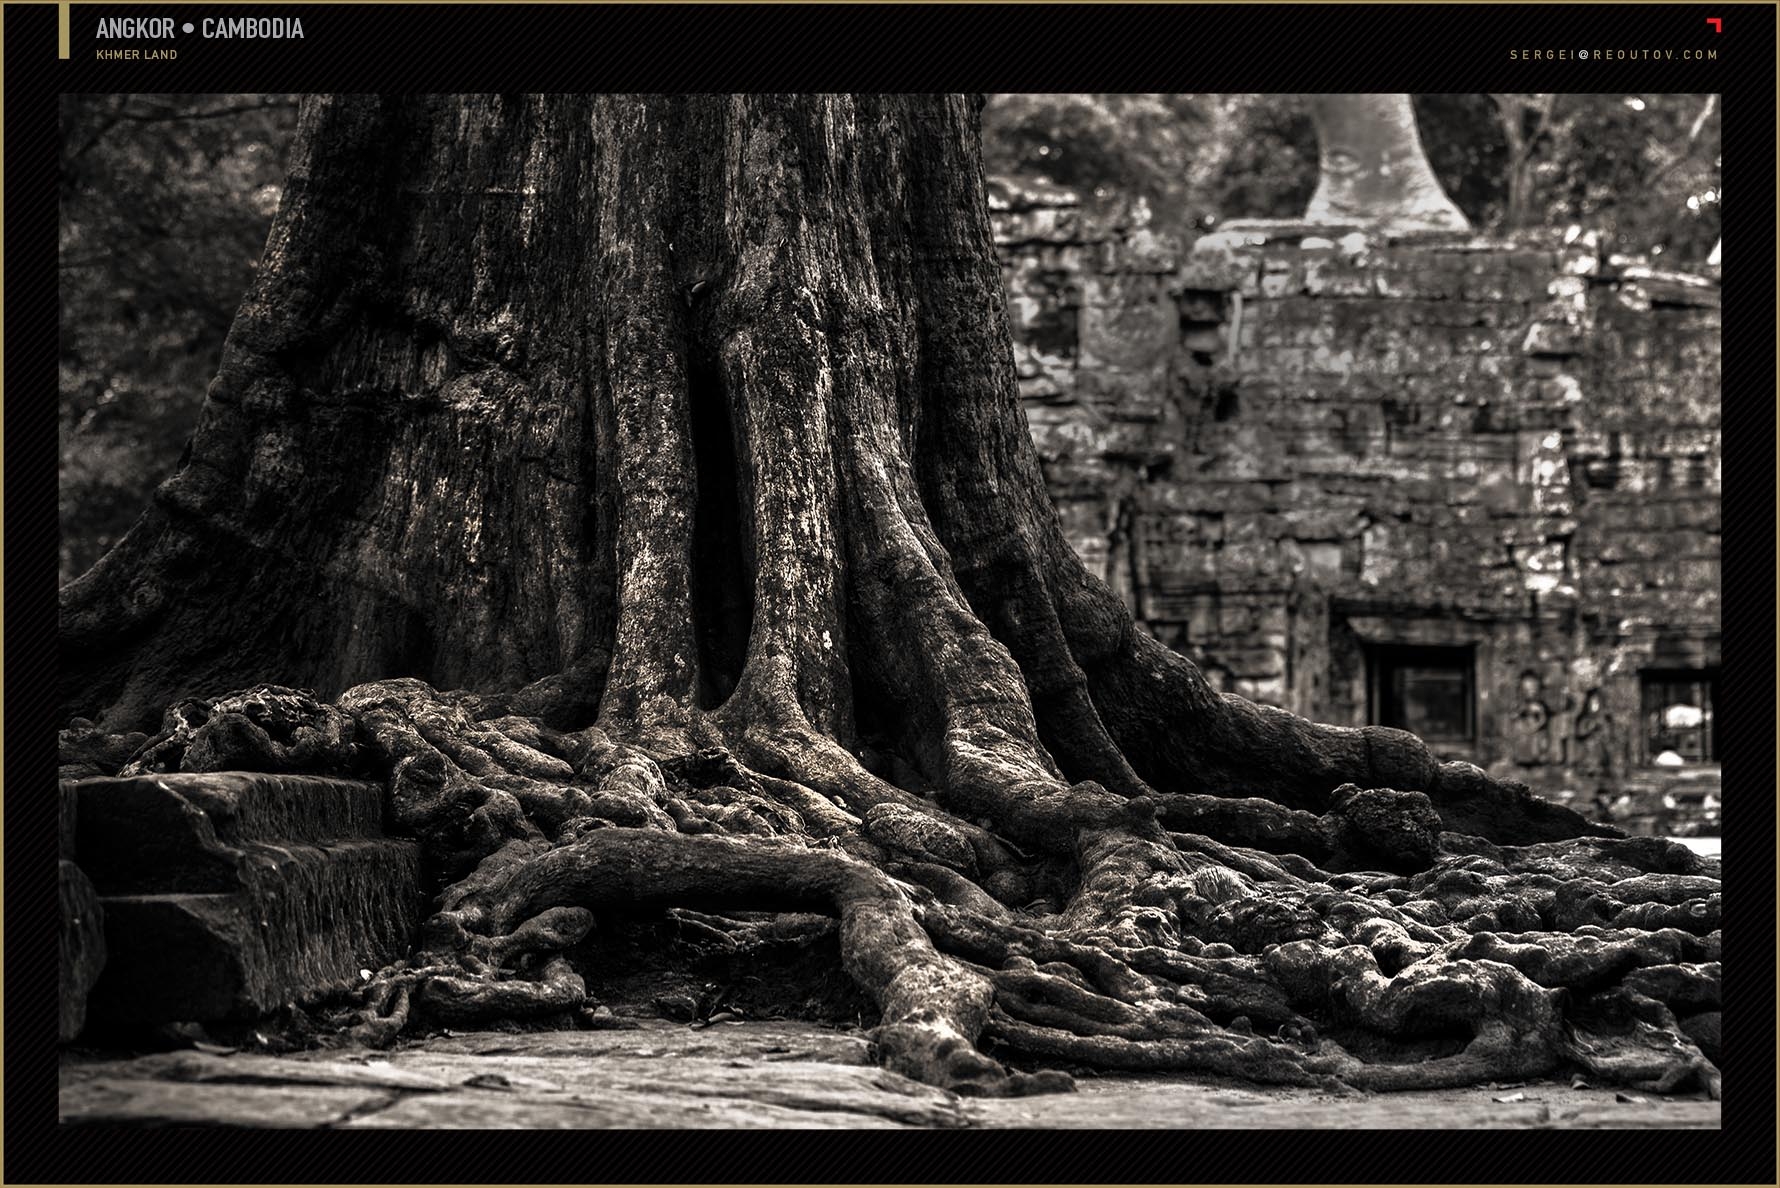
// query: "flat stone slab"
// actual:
[[228, 894], [757, 1075], [1170, 1103], [745, 1075], [767, 1040], [158, 1103]]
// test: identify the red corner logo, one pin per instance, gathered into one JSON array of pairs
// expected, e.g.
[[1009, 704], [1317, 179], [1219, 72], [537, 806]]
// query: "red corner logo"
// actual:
[[1717, 24]]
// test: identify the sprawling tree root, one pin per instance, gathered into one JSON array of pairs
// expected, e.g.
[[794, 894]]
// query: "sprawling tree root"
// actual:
[[1364, 947]]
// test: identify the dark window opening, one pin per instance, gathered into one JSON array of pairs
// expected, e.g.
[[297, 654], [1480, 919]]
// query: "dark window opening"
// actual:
[[1429, 691], [1678, 718], [1055, 328]]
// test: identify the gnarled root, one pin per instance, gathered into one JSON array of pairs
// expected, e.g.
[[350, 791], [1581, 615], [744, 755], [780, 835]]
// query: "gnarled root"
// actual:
[[1361, 947], [933, 1008]]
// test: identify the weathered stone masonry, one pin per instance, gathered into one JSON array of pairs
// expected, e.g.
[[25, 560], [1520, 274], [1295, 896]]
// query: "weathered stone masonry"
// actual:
[[1468, 486], [221, 896]]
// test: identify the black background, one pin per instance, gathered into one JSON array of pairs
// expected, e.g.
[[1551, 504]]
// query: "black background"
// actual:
[[929, 47]]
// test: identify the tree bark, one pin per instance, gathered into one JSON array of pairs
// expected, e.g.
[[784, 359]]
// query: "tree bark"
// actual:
[[1512, 111], [679, 437], [1371, 168]]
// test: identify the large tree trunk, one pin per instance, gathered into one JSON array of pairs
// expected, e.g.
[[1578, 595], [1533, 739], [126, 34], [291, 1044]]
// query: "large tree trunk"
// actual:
[[1371, 168], [681, 437]]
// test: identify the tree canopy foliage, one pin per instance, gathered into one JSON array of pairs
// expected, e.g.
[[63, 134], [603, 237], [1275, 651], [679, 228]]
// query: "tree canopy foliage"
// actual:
[[165, 201], [1642, 169]]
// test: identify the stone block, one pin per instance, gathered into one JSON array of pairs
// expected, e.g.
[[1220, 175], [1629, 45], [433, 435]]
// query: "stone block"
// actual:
[[1255, 663], [1126, 323], [1552, 338], [1044, 389], [1140, 251], [183, 831], [1334, 277], [1271, 691], [82, 945], [1220, 269], [308, 916], [1046, 224], [228, 894]]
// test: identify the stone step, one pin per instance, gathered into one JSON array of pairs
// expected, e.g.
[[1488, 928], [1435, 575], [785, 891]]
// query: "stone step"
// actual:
[[226, 895], [183, 831], [310, 916]]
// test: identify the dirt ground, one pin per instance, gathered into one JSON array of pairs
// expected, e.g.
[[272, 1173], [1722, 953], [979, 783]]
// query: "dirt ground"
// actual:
[[749, 1074]]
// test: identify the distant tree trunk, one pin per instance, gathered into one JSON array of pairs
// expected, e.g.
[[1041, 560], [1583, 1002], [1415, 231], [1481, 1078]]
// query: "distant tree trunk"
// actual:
[[1512, 111], [680, 437], [1372, 170]]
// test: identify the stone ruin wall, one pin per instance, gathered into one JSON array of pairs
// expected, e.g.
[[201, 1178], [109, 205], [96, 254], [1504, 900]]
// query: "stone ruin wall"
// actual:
[[1296, 456]]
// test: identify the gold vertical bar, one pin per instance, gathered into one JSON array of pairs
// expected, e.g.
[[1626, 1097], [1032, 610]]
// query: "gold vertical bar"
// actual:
[[62, 37]]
